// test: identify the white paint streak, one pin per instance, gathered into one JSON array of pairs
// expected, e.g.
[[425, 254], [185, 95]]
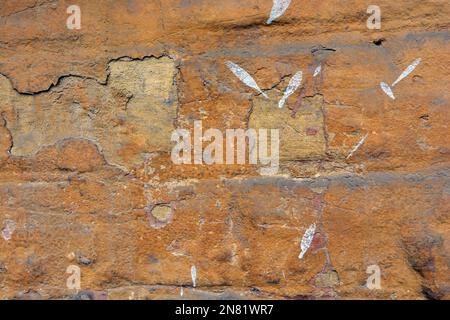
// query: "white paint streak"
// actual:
[[357, 146], [8, 229], [407, 71], [244, 76], [194, 276], [293, 85], [307, 239], [387, 90], [278, 9], [317, 71]]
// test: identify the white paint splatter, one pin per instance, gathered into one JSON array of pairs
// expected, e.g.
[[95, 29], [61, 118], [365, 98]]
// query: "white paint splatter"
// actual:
[[387, 90], [307, 239], [244, 76], [317, 71], [407, 71], [357, 146], [194, 276], [404, 74], [181, 292], [8, 229], [278, 9], [293, 85]]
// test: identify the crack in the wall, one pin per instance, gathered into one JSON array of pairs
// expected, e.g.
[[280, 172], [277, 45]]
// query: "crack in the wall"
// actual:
[[104, 82], [5, 125], [33, 6]]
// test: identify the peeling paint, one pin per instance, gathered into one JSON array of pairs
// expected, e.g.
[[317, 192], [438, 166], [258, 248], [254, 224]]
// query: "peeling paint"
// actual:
[[407, 71], [317, 71], [278, 9], [194, 276], [307, 240], [385, 87], [357, 146], [293, 85], [244, 76]]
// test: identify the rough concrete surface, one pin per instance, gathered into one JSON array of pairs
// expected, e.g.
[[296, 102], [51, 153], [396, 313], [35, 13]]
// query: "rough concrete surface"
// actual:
[[87, 179]]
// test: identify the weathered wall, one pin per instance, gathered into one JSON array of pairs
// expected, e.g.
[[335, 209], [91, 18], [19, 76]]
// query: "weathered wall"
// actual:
[[86, 176]]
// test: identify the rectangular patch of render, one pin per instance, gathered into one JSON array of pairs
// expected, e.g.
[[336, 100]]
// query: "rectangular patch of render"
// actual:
[[301, 136], [129, 117]]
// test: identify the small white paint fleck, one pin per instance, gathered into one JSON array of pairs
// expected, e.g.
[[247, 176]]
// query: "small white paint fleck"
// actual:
[[194, 276], [245, 77], [8, 229], [407, 71], [387, 90], [181, 291], [317, 71], [357, 146], [278, 9], [307, 239], [293, 85]]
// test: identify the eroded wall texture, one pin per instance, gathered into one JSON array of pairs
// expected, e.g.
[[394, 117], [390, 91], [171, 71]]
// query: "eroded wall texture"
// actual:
[[87, 181]]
